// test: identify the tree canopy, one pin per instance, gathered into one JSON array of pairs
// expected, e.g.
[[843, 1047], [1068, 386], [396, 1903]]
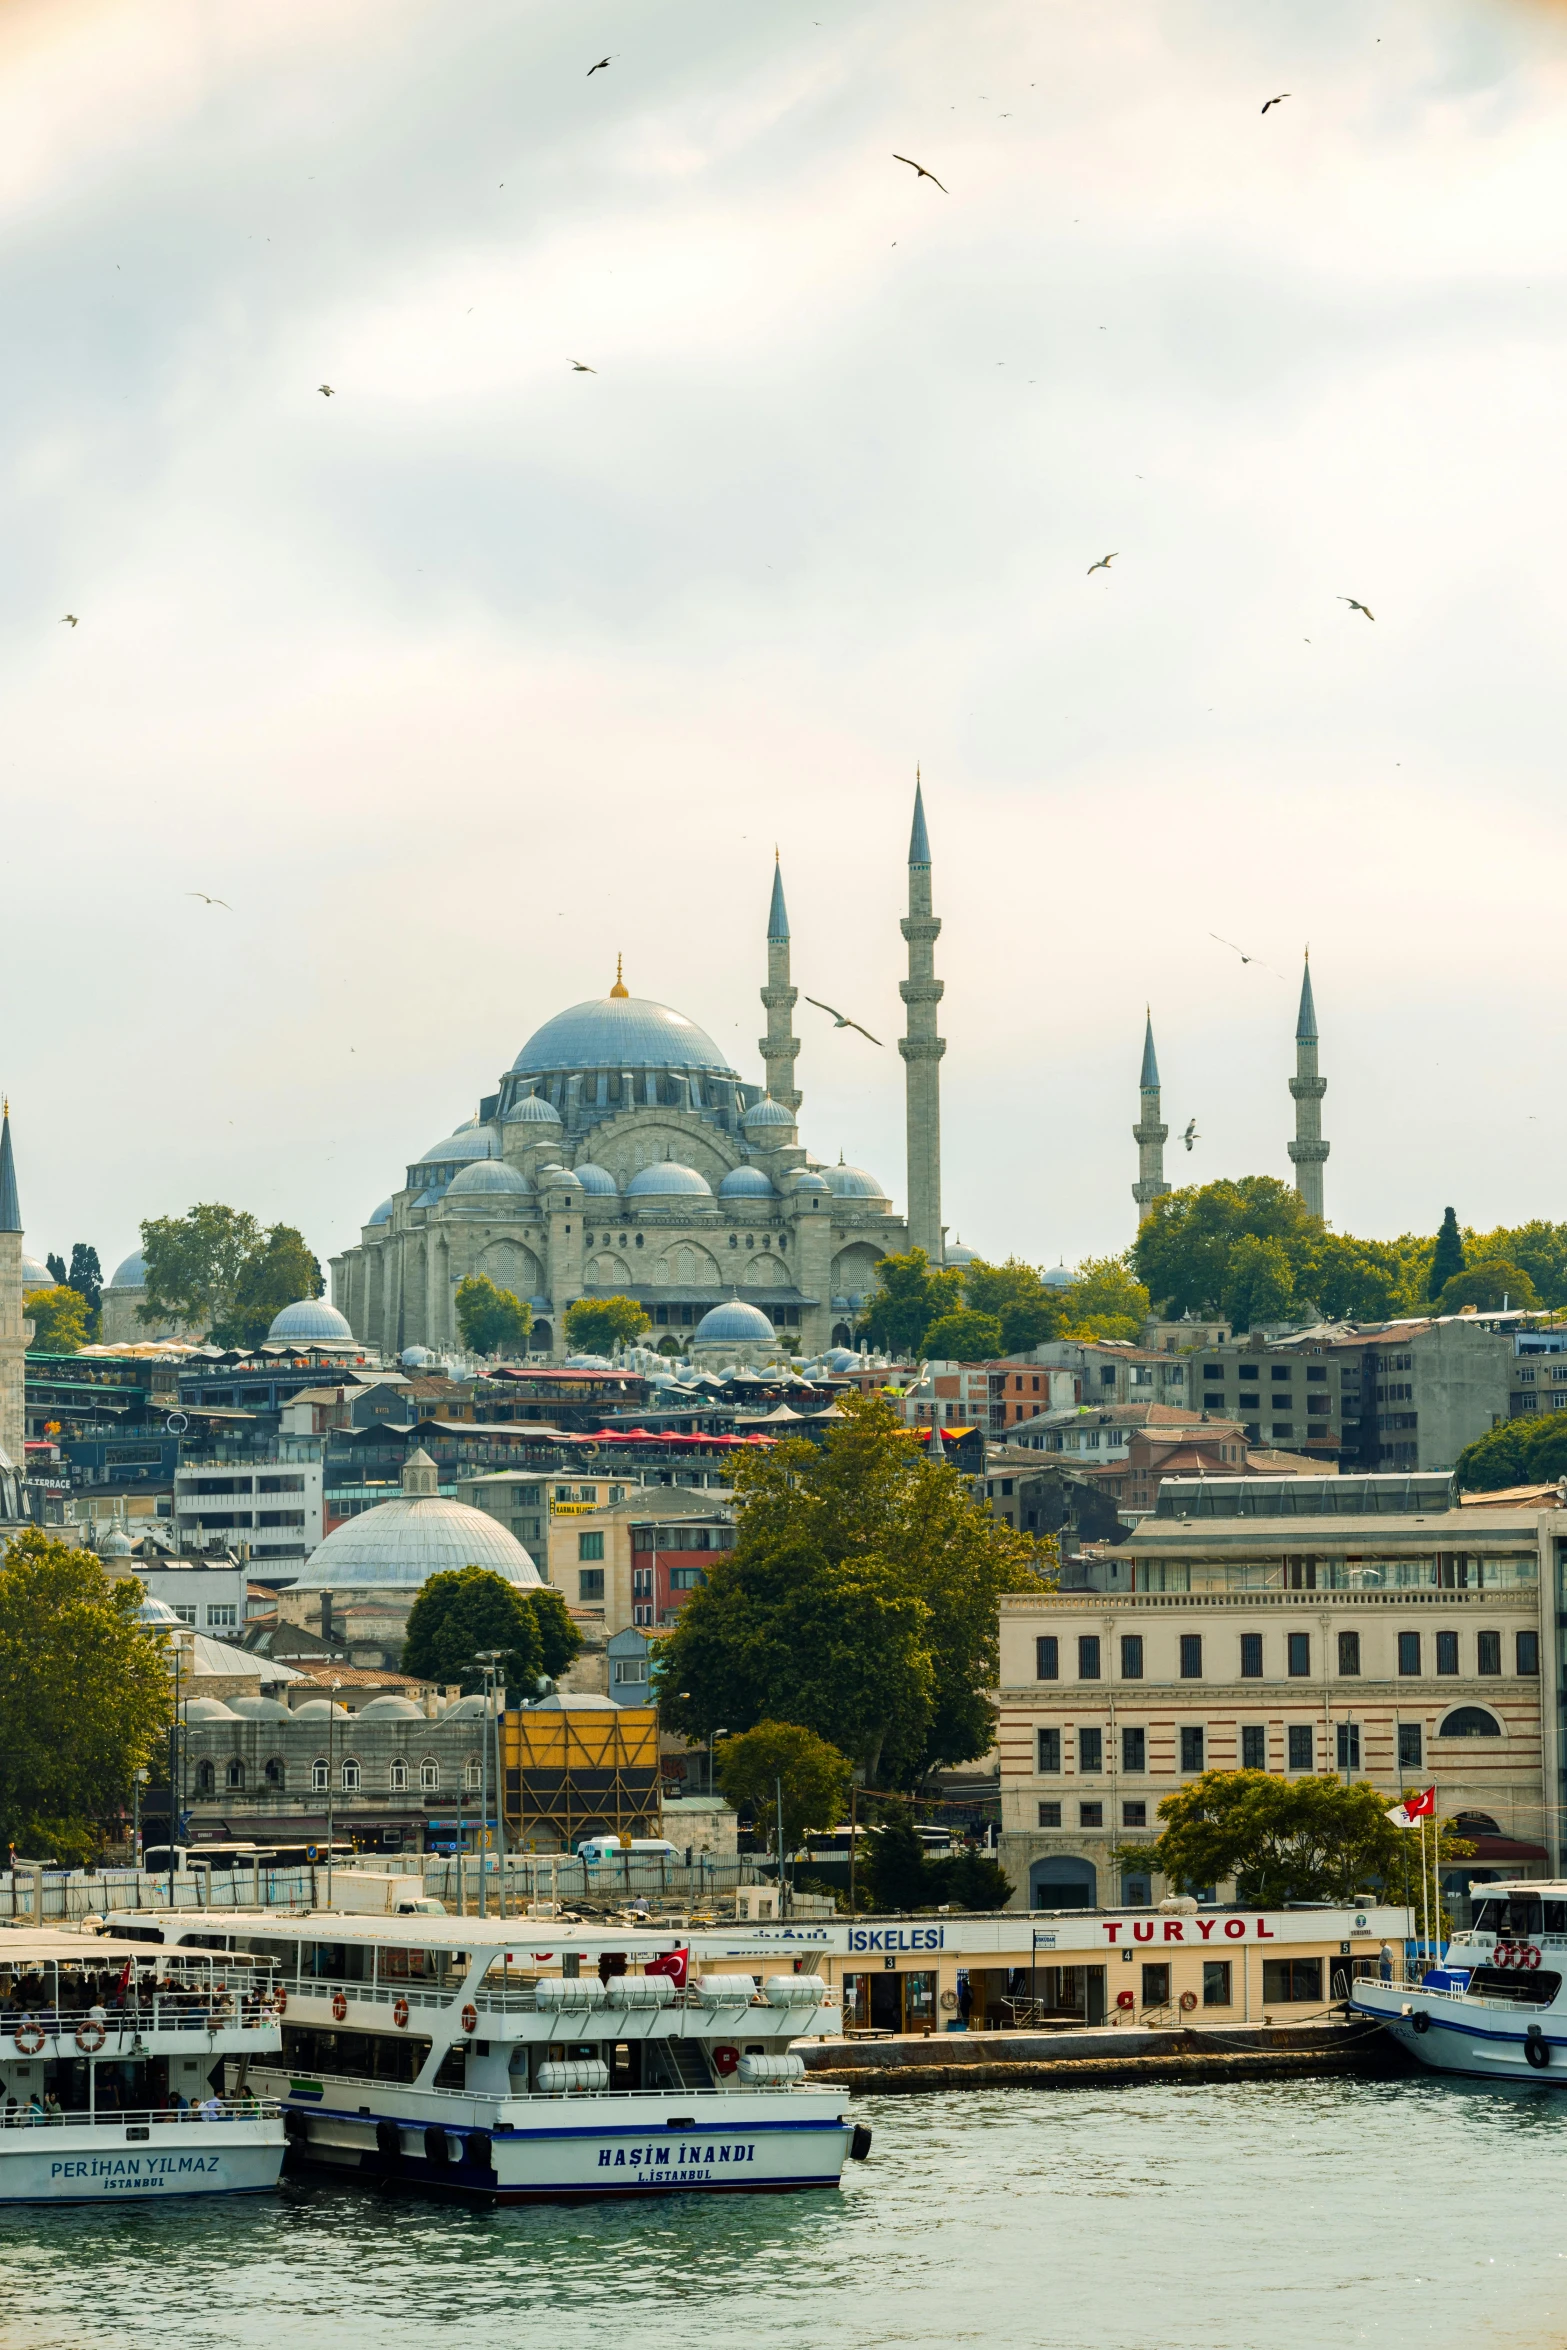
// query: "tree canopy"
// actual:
[[1250, 1250], [1531, 1450], [1105, 1300], [1281, 1840], [60, 1321], [84, 1697], [279, 1270], [467, 1610], [1490, 1284], [963, 1337], [492, 1321], [1018, 1298], [753, 1767], [86, 1274], [909, 1295], [1447, 1257], [897, 1874], [595, 1324], [860, 1601], [219, 1271]]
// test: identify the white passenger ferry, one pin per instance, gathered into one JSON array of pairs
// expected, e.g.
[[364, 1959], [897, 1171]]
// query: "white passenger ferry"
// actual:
[[527, 2061], [128, 2074], [1495, 2008]]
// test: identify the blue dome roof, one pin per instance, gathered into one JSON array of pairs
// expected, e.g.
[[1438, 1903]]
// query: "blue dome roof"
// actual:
[[1058, 1278], [597, 1180], [767, 1112], [553, 1176], [807, 1180], [531, 1109], [734, 1322], [619, 1032], [308, 1322], [132, 1274], [667, 1177], [745, 1183], [35, 1275], [472, 1141], [381, 1215], [485, 1176], [853, 1183]]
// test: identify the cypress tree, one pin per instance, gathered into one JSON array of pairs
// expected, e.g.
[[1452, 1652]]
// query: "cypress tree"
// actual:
[[1447, 1258]]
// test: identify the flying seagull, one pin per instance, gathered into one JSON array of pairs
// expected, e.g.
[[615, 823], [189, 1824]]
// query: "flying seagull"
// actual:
[[1278, 101], [924, 175], [1245, 958], [68, 619], [581, 369], [1103, 563], [206, 901], [1356, 605], [1191, 1135], [599, 68], [325, 390], [841, 1018]]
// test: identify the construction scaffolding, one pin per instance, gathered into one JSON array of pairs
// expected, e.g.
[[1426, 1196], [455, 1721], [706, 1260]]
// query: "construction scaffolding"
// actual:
[[580, 1771]]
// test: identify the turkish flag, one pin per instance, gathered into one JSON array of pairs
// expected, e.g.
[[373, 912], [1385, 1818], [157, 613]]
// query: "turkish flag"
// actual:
[[673, 1963], [1413, 1809]]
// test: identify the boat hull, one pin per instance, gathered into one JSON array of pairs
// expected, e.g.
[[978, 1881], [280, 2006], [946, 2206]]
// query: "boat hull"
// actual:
[[101, 2165], [1450, 2034]]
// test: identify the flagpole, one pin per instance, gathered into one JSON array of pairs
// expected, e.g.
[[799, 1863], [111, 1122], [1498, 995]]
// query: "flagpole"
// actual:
[[1436, 1888]]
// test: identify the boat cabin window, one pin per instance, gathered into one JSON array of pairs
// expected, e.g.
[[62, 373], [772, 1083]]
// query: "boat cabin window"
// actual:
[[427, 1970], [452, 2072], [1517, 1916], [355, 2056], [509, 1971], [1526, 1989], [337, 1962]]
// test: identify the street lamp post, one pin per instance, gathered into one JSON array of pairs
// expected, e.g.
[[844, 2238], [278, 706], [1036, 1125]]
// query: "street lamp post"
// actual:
[[489, 1662], [139, 1779], [331, 1725]]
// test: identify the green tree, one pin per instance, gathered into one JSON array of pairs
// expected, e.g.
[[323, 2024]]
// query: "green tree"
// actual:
[[813, 1776], [59, 1319], [861, 1600], [894, 1871], [1106, 1300], [86, 1274], [194, 1263], [1361, 1280], [1539, 1249], [972, 1880], [84, 1697], [1488, 1286], [467, 1609], [279, 1270], [1281, 1840], [908, 1297], [492, 1321], [57, 1271], [1447, 1258], [560, 1639], [595, 1324], [1182, 1251], [1527, 1451], [1259, 1285], [1014, 1293], [963, 1337]]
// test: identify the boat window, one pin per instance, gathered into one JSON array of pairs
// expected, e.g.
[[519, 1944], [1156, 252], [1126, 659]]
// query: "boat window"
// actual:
[[1488, 1917], [337, 1962], [452, 2072], [355, 2056], [1556, 1917], [1522, 1917], [506, 1972], [429, 1970], [1527, 1989]]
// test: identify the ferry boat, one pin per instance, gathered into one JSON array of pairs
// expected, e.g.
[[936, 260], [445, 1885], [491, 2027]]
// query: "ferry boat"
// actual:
[[124, 2072], [521, 2060], [1495, 2007]]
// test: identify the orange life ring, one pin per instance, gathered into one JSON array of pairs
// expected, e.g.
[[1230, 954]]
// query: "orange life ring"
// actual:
[[400, 2014], [90, 2036], [1126, 2000], [470, 2018], [339, 2006], [725, 2060], [1188, 2001], [29, 2039]]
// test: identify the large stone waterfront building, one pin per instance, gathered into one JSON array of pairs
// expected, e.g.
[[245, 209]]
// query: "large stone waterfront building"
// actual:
[[622, 1155]]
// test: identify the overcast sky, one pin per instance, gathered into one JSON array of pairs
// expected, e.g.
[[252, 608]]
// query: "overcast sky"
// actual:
[[463, 680]]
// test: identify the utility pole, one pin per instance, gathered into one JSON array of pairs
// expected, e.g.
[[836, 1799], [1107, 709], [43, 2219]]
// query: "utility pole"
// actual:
[[331, 1725], [489, 1660]]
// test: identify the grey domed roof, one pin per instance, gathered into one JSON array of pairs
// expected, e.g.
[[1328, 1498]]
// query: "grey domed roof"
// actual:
[[956, 1254], [587, 1363], [767, 1112], [619, 1032], [35, 1276], [130, 1273], [853, 1183], [318, 1709], [207, 1709], [412, 1356], [465, 1709], [734, 1322], [308, 1322], [597, 1180], [1058, 1278], [553, 1176], [381, 1215], [403, 1709], [532, 1110], [259, 1709], [745, 1183], [840, 1358], [156, 1612], [472, 1141], [116, 1544], [808, 1180], [484, 1176], [399, 1544], [665, 1178]]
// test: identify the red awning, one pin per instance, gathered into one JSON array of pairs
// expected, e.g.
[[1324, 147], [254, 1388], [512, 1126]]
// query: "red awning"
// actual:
[[1504, 1848]]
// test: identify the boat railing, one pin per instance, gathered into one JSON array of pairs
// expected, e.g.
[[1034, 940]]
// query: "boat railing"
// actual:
[[527, 2002], [1410, 1979], [29, 2029], [144, 2118], [356, 2084]]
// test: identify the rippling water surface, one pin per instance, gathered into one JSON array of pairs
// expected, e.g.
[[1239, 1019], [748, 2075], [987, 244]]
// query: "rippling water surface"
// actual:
[[1262, 2217]]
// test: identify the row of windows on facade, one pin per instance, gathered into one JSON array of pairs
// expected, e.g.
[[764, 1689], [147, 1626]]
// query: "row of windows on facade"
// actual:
[[1299, 1749], [220, 1618], [1297, 1655], [274, 1776]]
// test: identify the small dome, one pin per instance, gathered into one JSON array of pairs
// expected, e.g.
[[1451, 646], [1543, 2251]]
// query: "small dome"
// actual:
[[1058, 1278], [155, 1613], [35, 1276], [486, 1176], [840, 1358], [956, 1254], [766, 1112], [665, 1180], [130, 1273], [310, 1321], [734, 1323], [116, 1544], [317, 1709], [557, 1178], [258, 1709], [382, 1215], [389, 1708], [807, 1180], [413, 1358], [746, 1183], [853, 1183], [587, 1363], [597, 1180], [531, 1109], [472, 1141], [208, 1709], [465, 1709]]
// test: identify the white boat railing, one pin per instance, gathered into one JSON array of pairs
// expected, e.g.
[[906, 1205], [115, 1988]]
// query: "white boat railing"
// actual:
[[143, 2118], [356, 2084], [28, 2029], [520, 2002]]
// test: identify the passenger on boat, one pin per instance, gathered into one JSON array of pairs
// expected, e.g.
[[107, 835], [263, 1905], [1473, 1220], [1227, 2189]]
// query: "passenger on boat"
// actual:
[[53, 2109], [35, 2109], [210, 2109]]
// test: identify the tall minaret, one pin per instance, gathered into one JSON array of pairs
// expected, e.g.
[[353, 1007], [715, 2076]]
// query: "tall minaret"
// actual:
[[1308, 1150], [14, 1332], [921, 1047], [780, 1045], [1149, 1134]]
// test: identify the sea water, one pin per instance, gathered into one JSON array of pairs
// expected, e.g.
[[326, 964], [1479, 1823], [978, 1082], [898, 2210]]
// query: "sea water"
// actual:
[[1263, 2216]]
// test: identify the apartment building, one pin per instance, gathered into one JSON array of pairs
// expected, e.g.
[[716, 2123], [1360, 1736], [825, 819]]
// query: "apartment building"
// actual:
[[273, 1508], [992, 1397], [1394, 1646]]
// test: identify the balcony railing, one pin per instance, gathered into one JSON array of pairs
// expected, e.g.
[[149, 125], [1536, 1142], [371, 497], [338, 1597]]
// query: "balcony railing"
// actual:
[[139, 2121]]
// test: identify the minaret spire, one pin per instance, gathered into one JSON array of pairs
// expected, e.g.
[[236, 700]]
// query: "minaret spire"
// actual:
[[1150, 1133], [920, 1046], [780, 1046], [14, 1331], [1308, 1150]]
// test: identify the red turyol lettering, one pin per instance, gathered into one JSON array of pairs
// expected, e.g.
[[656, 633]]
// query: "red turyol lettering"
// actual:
[[1173, 1931], [1263, 1934], [1205, 1926], [1112, 1927], [1235, 1928], [1142, 1933]]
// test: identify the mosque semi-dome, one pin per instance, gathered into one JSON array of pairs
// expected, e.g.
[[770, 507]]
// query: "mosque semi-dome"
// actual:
[[531, 1109], [734, 1323], [483, 1177], [667, 1178], [853, 1183], [596, 1180], [398, 1545], [310, 1321], [618, 1032], [380, 1215], [745, 1183], [472, 1141]]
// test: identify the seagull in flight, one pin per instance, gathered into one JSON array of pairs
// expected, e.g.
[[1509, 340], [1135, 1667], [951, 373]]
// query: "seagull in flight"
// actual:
[[1191, 1135], [599, 68], [1278, 101], [582, 369], [206, 901], [1103, 563], [935, 183], [325, 390], [68, 620], [1356, 605], [842, 1018], [1245, 958]]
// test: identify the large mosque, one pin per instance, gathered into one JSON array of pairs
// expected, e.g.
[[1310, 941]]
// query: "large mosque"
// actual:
[[621, 1155]]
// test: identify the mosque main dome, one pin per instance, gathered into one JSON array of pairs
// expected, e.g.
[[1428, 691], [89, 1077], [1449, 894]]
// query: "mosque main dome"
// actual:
[[618, 1032], [399, 1545]]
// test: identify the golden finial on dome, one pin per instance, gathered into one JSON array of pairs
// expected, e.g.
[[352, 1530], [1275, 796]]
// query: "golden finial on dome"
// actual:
[[620, 988]]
